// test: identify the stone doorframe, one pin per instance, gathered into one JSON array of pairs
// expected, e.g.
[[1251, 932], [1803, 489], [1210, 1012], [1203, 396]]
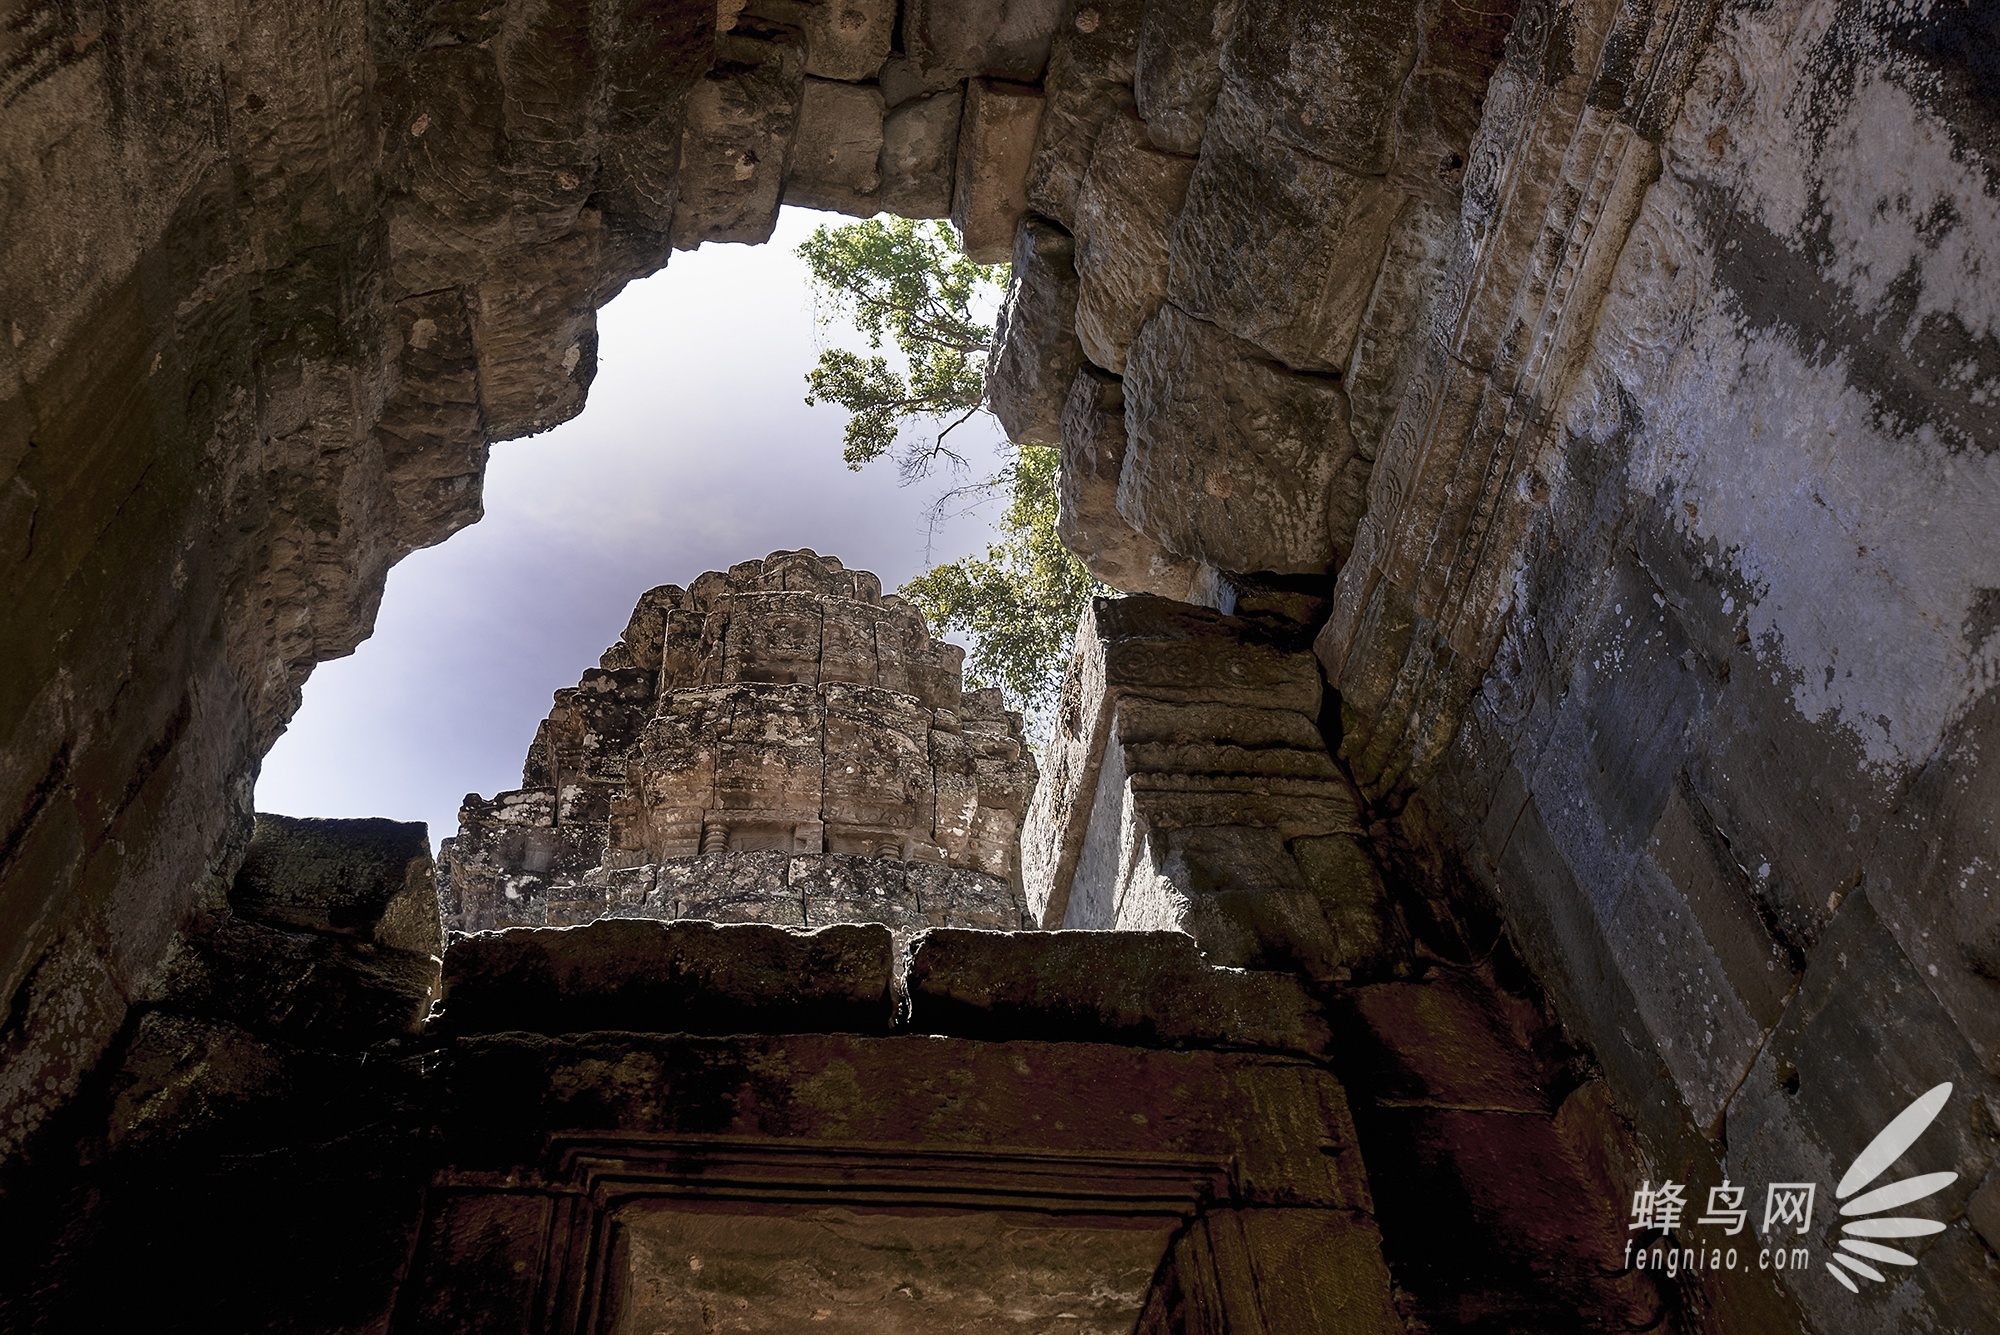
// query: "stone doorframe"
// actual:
[[1245, 1161], [590, 1180], [1074, 1080]]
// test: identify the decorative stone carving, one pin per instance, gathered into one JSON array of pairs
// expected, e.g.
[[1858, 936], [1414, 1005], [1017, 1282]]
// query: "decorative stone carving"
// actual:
[[1190, 790], [1693, 334], [779, 743]]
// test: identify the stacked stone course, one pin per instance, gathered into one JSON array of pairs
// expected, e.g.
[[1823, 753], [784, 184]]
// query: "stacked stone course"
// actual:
[[1237, 214]]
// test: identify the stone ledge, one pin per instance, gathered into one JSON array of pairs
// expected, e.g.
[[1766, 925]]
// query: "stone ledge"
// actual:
[[370, 879], [1135, 989], [1131, 989], [668, 977]]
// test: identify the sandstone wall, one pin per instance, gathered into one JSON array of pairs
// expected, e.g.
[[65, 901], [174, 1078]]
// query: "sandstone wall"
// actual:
[[1239, 211], [1671, 600], [271, 280], [1639, 396], [642, 1121], [1189, 788]]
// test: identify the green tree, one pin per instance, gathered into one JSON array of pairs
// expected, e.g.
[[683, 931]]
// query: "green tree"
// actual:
[[907, 282], [1021, 601]]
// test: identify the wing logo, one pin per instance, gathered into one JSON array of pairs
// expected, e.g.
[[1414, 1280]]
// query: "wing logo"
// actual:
[[1861, 1236]]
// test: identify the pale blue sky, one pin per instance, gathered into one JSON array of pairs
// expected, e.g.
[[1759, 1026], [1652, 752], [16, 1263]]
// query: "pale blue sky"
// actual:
[[696, 451]]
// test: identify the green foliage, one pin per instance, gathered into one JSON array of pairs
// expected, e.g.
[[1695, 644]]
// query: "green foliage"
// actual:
[[905, 281], [1020, 603]]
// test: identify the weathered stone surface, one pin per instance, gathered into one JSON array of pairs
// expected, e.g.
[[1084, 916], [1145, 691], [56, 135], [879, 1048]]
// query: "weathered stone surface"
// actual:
[[1277, 245], [1169, 651], [1125, 207], [1178, 800], [645, 632], [1178, 69], [1087, 518], [1388, 347], [976, 1273], [1629, 682], [1231, 460], [1212, 856], [1183, 676], [372, 879], [803, 745], [1035, 352], [1443, 100], [1143, 988], [1069, 1171], [1353, 902], [740, 886], [1089, 80], [1864, 1009], [847, 39], [857, 890], [1300, 599], [1449, 1044], [950, 39], [996, 140], [835, 159], [955, 898], [503, 1093], [740, 122], [309, 989], [900, 80], [1325, 76], [184, 1078], [1706, 326], [1309, 1270], [668, 977], [919, 155], [239, 373]]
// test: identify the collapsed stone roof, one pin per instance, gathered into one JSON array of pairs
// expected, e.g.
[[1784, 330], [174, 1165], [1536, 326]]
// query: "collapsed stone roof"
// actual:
[[779, 742]]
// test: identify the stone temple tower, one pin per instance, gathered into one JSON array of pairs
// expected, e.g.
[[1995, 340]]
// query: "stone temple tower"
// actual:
[[779, 743]]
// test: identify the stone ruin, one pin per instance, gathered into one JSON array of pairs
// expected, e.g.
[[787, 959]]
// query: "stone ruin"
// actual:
[[748, 988], [1572, 420], [780, 743], [742, 884]]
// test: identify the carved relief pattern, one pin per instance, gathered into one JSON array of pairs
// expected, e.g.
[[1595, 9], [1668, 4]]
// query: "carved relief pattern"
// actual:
[[1530, 270]]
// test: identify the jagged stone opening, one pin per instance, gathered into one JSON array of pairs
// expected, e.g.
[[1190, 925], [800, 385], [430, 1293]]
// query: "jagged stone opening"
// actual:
[[696, 449]]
